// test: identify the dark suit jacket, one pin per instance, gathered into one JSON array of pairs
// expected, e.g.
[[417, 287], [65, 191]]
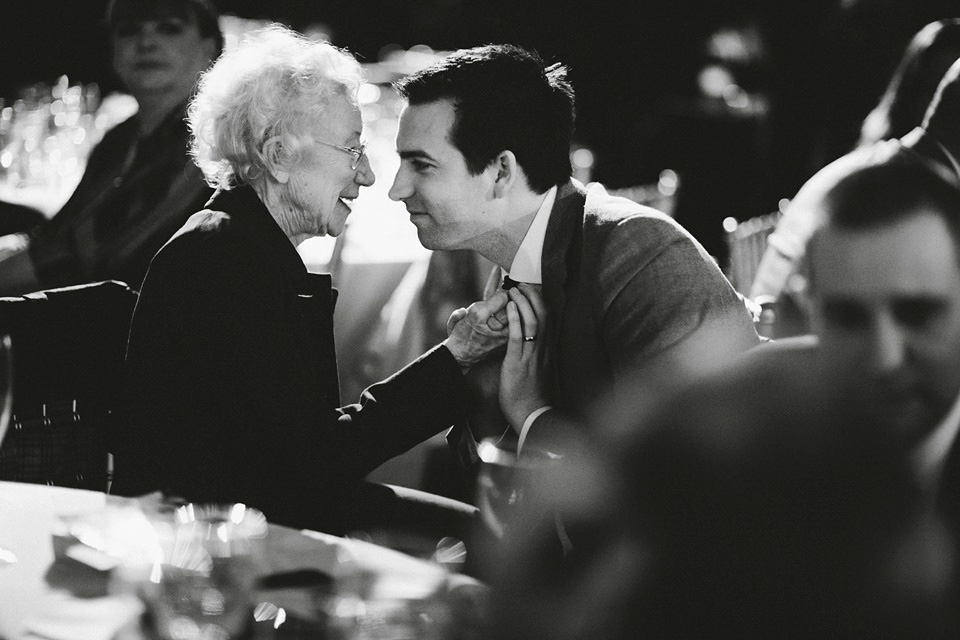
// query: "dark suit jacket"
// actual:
[[232, 387], [625, 286]]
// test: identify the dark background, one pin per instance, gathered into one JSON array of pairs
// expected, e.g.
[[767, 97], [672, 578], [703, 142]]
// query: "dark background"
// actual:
[[634, 64]]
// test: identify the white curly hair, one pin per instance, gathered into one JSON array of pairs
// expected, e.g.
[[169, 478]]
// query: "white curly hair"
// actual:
[[275, 83]]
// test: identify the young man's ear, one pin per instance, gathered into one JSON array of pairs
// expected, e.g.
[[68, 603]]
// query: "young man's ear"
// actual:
[[506, 173], [272, 151]]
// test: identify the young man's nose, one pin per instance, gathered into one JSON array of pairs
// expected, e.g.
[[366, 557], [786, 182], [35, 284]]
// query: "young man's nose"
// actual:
[[400, 189]]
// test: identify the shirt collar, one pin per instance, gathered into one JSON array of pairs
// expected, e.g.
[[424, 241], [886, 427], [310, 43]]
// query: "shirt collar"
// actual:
[[526, 266], [925, 143], [949, 156], [930, 456]]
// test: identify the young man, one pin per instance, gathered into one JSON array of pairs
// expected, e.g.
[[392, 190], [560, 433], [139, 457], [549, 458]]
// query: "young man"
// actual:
[[484, 144], [140, 185]]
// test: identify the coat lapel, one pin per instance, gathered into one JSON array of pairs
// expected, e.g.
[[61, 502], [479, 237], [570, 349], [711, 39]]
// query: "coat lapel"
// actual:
[[561, 258], [311, 295], [316, 299]]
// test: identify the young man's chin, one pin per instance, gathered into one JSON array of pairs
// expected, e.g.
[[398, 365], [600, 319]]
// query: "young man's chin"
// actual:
[[427, 238]]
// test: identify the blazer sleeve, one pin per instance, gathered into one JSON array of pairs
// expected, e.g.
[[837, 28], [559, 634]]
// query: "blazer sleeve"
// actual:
[[654, 301]]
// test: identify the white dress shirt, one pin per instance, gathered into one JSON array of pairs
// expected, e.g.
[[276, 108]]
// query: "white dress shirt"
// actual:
[[930, 456], [527, 267]]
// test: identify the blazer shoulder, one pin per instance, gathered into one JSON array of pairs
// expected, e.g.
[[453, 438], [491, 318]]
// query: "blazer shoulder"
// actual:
[[618, 230], [606, 214]]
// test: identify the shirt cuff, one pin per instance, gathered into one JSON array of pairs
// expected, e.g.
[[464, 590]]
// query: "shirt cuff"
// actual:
[[527, 424]]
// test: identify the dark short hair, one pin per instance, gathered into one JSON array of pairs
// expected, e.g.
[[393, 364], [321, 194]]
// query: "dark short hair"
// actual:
[[203, 11], [505, 99], [884, 191]]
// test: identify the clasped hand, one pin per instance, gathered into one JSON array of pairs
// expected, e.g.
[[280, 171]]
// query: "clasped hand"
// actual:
[[477, 331], [523, 373], [515, 318]]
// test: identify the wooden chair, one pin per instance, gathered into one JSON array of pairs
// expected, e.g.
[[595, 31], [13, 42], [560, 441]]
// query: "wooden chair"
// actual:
[[746, 242], [68, 349]]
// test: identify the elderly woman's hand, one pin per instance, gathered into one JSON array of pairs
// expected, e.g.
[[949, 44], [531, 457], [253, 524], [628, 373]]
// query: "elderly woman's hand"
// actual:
[[475, 332]]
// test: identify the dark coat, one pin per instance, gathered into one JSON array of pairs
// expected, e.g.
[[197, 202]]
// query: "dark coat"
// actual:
[[232, 390]]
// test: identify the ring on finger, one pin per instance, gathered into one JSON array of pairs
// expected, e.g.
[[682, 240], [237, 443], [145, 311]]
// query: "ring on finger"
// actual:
[[529, 338]]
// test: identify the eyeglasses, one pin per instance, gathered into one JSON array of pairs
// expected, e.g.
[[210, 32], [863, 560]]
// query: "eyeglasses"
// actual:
[[356, 152]]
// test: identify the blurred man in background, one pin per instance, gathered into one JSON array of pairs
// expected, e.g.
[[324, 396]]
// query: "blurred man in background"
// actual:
[[140, 185]]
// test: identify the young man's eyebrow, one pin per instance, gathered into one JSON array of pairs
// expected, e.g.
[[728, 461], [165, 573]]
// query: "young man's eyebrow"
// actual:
[[415, 153]]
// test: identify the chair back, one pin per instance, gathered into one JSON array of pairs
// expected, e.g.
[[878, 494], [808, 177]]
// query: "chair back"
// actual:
[[68, 350], [746, 243]]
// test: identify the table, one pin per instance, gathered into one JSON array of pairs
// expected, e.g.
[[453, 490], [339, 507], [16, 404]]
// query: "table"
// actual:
[[38, 601]]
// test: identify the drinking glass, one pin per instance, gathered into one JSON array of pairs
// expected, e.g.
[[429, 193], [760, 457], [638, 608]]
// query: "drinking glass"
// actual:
[[6, 410], [502, 480], [205, 583]]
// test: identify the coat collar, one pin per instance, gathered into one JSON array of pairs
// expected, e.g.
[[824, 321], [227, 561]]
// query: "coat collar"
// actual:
[[566, 219], [927, 145], [244, 205]]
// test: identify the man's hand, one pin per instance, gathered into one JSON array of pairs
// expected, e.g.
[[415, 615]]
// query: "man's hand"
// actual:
[[475, 332], [523, 377]]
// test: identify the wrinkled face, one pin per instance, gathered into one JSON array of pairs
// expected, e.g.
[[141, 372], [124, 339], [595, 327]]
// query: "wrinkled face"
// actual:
[[448, 205], [164, 54], [887, 308], [320, 188]]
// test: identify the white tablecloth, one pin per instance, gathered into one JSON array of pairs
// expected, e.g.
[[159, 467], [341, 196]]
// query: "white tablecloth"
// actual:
[[28, 516], [33, 603]]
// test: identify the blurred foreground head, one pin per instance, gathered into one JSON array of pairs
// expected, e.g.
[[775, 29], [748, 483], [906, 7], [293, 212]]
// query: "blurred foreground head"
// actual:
[[753, 503]]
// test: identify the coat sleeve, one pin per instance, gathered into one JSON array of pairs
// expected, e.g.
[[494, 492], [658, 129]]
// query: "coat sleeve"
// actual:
[[216, 364]]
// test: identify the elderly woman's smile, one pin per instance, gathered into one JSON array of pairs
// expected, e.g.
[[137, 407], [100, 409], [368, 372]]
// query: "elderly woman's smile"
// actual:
[[318, 192]]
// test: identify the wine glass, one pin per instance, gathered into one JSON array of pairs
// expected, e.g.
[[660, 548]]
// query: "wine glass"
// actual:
[[502, 479], [6, 410], [205, 583]]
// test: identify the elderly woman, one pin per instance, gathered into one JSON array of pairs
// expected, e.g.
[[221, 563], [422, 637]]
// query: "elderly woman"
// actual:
[[232, 388]]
